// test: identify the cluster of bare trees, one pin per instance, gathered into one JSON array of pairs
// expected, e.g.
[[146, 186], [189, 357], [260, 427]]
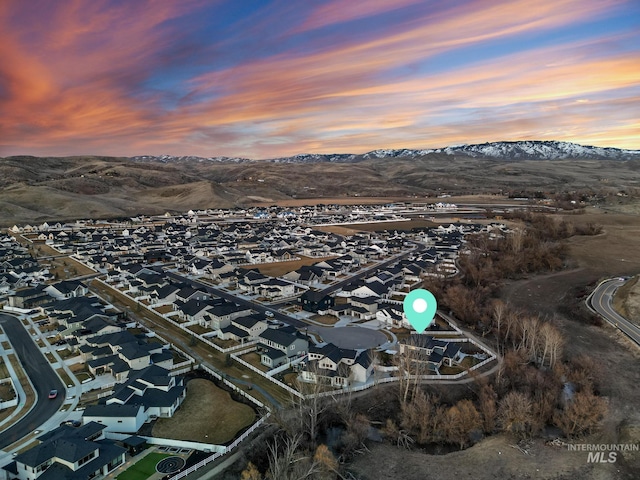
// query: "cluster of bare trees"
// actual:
[[540, 340], [295, 451]]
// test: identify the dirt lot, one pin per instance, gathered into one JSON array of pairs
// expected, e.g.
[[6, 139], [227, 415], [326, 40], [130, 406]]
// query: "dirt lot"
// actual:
[[493, 458], [207, 415], [276, 269], [382, 200], [353, 228]]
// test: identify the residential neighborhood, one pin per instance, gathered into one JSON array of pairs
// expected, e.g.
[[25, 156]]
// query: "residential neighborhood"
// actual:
[[278, 292]]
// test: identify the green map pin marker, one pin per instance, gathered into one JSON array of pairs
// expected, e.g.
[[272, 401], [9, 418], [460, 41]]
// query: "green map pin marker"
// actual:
[[420, 308]]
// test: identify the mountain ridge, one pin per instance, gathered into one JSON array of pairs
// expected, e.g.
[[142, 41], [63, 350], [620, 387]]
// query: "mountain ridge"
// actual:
[[505, 150]]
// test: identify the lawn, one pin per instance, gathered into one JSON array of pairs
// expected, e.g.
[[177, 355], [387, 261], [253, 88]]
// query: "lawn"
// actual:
[[144, 468], [254, 359], [207, 415]]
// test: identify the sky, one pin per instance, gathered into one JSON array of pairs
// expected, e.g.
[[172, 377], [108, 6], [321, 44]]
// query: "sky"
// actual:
[[264, 79]]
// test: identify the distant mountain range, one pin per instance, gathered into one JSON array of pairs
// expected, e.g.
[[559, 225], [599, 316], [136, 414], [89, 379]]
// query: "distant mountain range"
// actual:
[[37, 189], [506, 151]]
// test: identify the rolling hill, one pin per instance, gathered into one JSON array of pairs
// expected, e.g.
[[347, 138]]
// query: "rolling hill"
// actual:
[[34, 189]]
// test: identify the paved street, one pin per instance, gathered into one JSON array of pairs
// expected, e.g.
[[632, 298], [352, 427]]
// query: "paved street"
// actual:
[[42, 376], [601, 301]]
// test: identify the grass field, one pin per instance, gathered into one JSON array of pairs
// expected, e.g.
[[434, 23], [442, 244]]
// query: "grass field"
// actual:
[[144, 468], [207, 415]]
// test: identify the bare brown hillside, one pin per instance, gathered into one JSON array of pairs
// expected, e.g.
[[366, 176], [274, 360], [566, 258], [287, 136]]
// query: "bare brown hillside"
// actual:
[[38, 189]]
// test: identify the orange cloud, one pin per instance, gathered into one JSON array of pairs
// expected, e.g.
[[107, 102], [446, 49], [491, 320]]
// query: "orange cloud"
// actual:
[[81, 88]]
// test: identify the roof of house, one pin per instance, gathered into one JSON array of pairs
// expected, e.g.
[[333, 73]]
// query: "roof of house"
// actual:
[[278, 336], [248, 321], [112, 410], [68, 445]]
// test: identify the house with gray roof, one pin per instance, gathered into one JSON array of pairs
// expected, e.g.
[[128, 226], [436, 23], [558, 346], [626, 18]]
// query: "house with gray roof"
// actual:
[[277, 346], [68, 453]]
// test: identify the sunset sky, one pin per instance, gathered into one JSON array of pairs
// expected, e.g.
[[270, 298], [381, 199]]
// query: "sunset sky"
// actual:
[[261, 79]]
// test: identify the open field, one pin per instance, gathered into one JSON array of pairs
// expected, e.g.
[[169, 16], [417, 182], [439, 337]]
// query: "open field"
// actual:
[[612, 253], [207, 415], [276, 269], [350, 229]]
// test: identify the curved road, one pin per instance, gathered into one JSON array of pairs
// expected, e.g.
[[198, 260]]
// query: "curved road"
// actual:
[[42, 376], [601, 301]]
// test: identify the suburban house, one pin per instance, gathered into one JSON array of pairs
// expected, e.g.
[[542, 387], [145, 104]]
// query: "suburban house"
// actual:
[[392, 315], [338, 367], [116, 417], [152, 389], [278, 346], [117, 353], [68, 453], [246, 328], [221, 313], [29, 297], [431, 351], [364, 308], [67, 289], [315, 301]]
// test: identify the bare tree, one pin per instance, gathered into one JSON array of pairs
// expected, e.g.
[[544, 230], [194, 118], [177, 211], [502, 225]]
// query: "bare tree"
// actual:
[[582, 414], [287, 462], [516, 238], [515, 414], [550, 343], [499, 313], [461, 420], [251, 473], [488, 408]]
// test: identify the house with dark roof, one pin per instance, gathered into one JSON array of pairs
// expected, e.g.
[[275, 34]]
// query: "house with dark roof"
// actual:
[[338, 367], [245, 328], [277, 346], [221, 313], [67, 289], [431, 351], [315, 301], [68, 453], [152, 388], [29, 297], [116, 417]]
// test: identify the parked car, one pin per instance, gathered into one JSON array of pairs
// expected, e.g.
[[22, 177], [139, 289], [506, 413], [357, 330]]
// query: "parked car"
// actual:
[[268, 314], [53, 394]]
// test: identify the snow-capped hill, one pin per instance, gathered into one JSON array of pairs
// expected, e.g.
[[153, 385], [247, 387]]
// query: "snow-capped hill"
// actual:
[[185, 159], [538, 150], [506, 151], [316, 158], [403, 153]]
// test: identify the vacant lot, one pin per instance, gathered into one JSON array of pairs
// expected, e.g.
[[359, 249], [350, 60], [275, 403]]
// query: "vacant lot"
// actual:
[[615, 251], [276, 269], [207, 415]]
